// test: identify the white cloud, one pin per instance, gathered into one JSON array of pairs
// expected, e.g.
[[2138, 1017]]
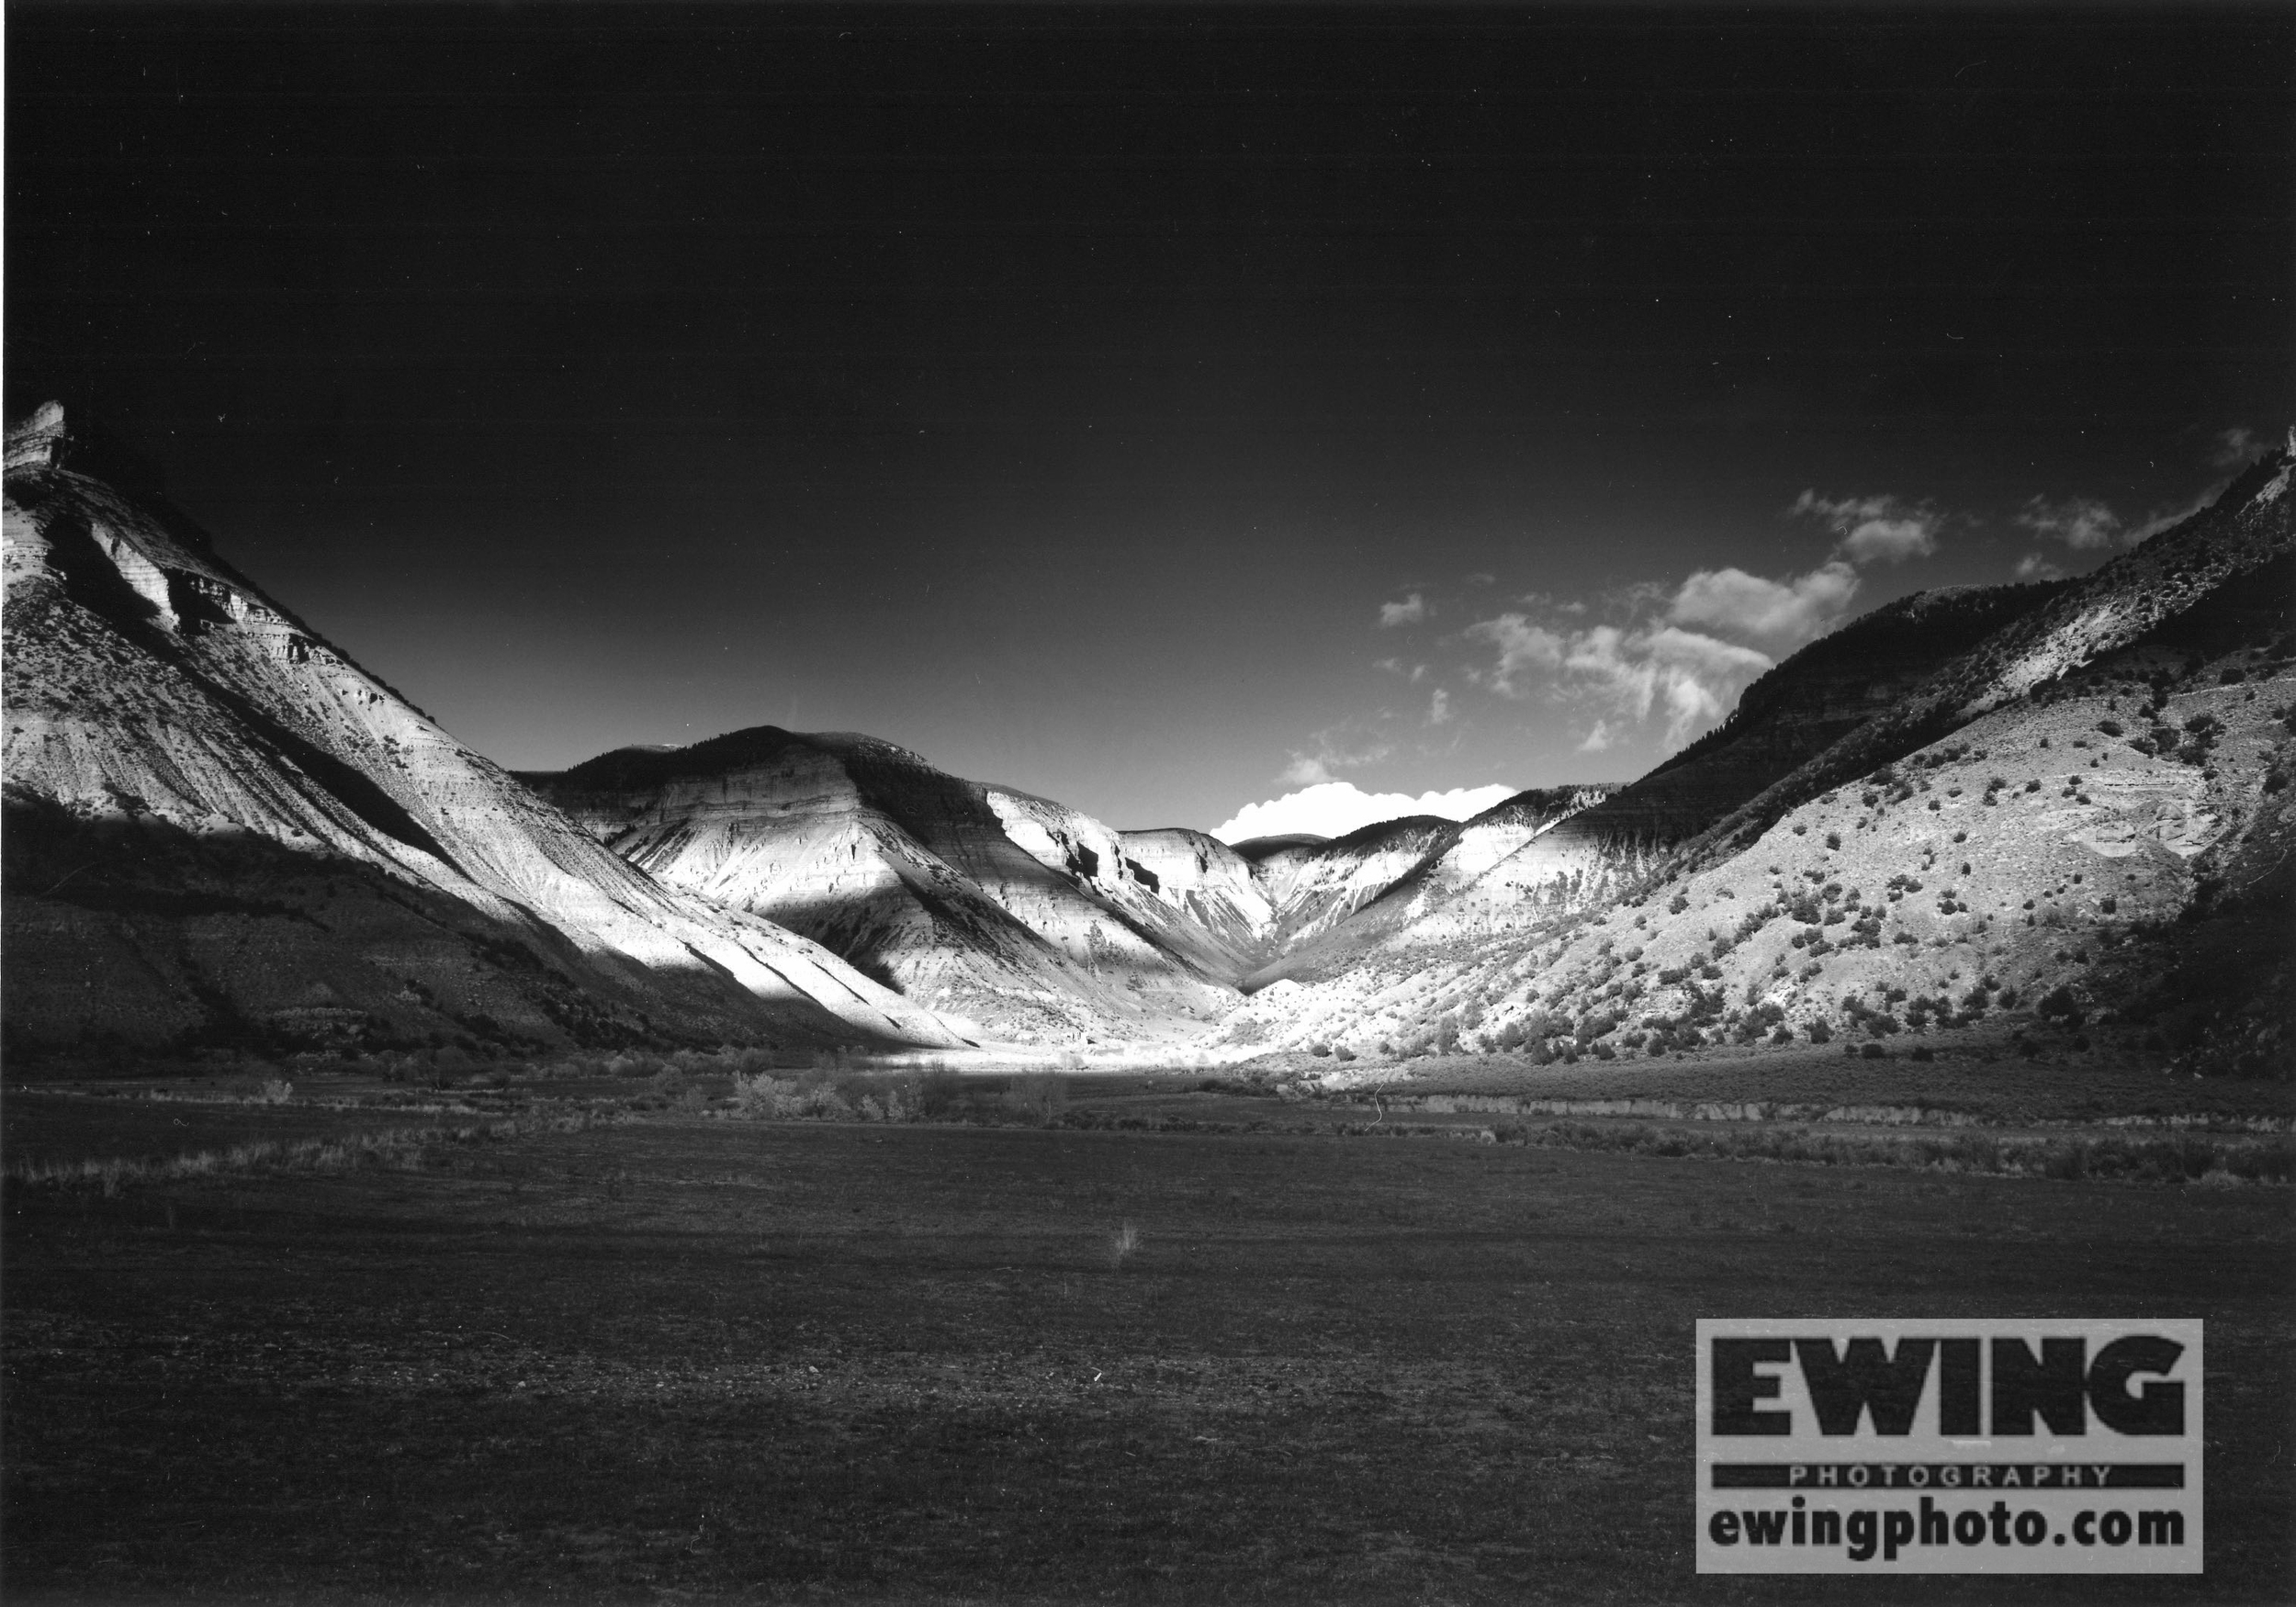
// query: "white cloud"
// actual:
[[1688, 676], [1878, 527], [2080, 523], [1336, 808], [1410, 611], [1439, 710], [1780, 613], [1597, 740], [1521, 646], [1333, 748], [2033, 566], [2235, 447]]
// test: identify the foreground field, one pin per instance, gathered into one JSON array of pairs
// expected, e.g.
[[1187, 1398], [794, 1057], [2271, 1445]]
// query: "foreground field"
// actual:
[[694, 1359]]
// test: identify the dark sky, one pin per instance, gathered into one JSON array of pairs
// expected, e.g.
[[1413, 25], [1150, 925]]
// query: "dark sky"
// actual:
[[1065, 392]]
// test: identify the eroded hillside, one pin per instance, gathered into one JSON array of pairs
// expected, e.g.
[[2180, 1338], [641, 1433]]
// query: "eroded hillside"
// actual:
[[219, 829], [2093, 840]]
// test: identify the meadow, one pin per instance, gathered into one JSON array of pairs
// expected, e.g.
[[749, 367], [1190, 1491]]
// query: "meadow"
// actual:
[[1153, 1345]]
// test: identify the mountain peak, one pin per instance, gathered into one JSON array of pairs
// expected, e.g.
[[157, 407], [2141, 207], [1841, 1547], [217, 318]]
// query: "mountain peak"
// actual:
[[49, 437]]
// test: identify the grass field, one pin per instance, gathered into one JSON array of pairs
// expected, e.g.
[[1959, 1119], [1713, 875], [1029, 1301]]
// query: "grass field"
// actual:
[[688, 1359]]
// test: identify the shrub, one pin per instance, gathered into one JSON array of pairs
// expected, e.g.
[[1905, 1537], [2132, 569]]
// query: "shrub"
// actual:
[[1833, 839], [1820, 1032], [1038, 1096], [1676, 905], [937, 1092], [1874, 1051]]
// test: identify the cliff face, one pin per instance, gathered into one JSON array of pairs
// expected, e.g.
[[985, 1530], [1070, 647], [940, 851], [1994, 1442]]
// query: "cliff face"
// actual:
[[1211, 884], [1018, 918], [219, 826]]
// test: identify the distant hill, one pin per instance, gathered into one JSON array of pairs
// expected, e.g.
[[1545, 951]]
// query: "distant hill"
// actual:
[[1025, 919]]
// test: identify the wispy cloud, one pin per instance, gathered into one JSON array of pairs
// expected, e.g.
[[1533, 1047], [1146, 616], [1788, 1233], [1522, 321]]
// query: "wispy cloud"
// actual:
[[1597, 740], [1879, 528], [2033, 566], [2080, 523], [1522, 648], [1685, 677], [2236, 447], [1345, 746], [1777, 613], [1439, 708], [1410, 611]]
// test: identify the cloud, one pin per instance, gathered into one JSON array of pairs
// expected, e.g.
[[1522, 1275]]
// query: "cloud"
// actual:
[[1335, 748], [1521, 646], [1655, 669], [2033, 566], [1439, 710], [1880, 527], [1410, 611], [2169, 517], [1336, 808], [1597, 740], [1689, 678], [2235, 447], [2080, 523], [1780, 613]]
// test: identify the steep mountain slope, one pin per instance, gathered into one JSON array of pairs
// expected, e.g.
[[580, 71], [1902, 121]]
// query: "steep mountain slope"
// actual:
[[1019, 916], [2094, 836], [2226, 549], [219, 828], [1797, 711]]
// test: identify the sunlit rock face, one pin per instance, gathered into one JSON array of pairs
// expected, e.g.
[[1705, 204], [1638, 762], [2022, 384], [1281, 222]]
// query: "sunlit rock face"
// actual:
[[1215, 887], [1351, 894], [1022, 919], [1315, 888], [219, 828]]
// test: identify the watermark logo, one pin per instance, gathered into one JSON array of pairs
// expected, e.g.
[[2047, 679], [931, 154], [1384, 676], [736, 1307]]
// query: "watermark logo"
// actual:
[[1948, 1446]]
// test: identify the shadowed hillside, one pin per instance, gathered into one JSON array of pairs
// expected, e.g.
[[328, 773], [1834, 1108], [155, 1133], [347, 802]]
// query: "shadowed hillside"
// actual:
[[219, 829]]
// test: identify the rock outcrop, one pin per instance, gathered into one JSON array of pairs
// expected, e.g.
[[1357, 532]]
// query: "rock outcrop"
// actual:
[[221, 829]]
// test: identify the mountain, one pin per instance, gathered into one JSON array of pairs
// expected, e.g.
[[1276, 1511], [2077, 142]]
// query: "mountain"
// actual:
[[2077, 822], [1009, 914], [219, 829], [1343, 898], [1018, 916]]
